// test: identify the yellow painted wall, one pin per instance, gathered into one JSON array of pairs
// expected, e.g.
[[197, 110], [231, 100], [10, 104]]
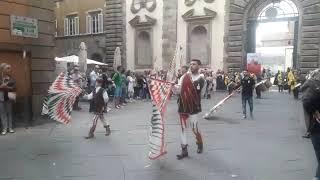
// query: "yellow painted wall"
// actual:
[[81, 7]]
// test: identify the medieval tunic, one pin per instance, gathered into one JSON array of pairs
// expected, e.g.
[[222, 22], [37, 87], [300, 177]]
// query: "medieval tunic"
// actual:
[[98, 97], [189, 100]]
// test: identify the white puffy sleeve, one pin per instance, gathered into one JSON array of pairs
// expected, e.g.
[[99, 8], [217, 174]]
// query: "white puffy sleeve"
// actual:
[[105, 96], [177, 87], [88, 96]]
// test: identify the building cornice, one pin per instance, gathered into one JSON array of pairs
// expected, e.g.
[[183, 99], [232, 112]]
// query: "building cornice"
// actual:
[[79, 35], [135, 22], [208, 14]]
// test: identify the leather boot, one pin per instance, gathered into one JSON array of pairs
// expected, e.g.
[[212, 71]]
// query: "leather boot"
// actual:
[[184, 152], [108, 131], [200, 148], [91, 135], [199, 141]]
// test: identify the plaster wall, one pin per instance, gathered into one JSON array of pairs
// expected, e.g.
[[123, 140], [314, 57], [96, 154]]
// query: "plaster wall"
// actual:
[[156, 37], [217, 33]]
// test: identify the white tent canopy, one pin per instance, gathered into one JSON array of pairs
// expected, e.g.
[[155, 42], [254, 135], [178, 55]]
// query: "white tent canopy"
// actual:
[[75, 59]]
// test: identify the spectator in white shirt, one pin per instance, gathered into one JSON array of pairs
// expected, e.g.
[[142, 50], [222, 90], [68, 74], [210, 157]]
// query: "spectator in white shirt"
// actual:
[[93, 77]]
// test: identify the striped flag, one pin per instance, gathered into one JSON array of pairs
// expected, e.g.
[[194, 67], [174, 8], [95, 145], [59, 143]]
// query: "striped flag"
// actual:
[[171, 76], [160, 92], [61, 96]]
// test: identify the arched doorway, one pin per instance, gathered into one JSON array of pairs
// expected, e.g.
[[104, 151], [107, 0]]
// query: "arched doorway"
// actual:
[[276, 36], [144, 50], [198, 45], [242, 23]]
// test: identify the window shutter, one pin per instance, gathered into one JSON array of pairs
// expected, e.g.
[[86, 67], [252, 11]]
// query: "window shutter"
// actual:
[[100, 22], [66, 26], [88, 24], [76, 19]]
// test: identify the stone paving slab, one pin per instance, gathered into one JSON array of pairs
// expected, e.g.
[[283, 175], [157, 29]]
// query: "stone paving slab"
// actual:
[[264, 148]]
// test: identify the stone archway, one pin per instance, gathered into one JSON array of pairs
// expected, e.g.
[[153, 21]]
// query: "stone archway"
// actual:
[[144, 49], [241, 12]]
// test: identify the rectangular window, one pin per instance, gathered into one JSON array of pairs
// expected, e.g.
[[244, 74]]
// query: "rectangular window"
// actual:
[[95, 22], [71, 26]]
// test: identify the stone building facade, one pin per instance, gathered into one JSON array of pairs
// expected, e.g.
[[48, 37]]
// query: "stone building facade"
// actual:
[[156, 29], [78, 22], [32, 58], [115, 29], [241, 17], [220, 33]]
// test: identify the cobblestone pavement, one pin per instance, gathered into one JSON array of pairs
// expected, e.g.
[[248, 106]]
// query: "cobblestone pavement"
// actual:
[[268, 147]]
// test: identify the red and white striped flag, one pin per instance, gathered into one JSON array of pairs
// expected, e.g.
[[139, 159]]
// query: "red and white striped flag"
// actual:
[[160, 92], [61, 96]]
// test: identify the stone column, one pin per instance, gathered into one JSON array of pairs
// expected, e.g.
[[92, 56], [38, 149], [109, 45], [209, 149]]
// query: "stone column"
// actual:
[[169, 36], [114, 25]]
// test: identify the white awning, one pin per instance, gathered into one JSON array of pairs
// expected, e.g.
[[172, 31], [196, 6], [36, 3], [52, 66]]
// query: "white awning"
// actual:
[[75, 59]]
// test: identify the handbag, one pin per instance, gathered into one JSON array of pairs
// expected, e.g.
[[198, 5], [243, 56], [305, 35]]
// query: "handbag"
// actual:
[[12, 96]]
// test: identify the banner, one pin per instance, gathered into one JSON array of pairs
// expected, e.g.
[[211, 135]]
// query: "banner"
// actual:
[[253, 63]]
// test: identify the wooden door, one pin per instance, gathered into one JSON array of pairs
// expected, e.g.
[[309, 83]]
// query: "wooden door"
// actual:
[[21, 71]]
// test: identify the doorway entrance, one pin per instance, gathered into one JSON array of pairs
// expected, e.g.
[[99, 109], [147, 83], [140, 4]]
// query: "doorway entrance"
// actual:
[[242, 24], [21, 72], [273, 36]]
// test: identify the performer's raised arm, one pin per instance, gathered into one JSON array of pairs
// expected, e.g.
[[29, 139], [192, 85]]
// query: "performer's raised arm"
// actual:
[[88, 96], [177, 87]]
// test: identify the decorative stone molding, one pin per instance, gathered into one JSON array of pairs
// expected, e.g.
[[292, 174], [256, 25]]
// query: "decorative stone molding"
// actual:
[[191, 2], [94, 10], [208, 14], [188, 14], [135, 22], [142, 5]]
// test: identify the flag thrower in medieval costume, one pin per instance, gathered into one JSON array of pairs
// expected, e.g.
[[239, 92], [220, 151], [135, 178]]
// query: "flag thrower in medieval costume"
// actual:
[[117, 58], [189, 106], [83, 57], [61, 96], [160, 92]]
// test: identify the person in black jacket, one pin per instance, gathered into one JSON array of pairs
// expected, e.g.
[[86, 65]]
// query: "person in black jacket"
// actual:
[[247, 84]]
